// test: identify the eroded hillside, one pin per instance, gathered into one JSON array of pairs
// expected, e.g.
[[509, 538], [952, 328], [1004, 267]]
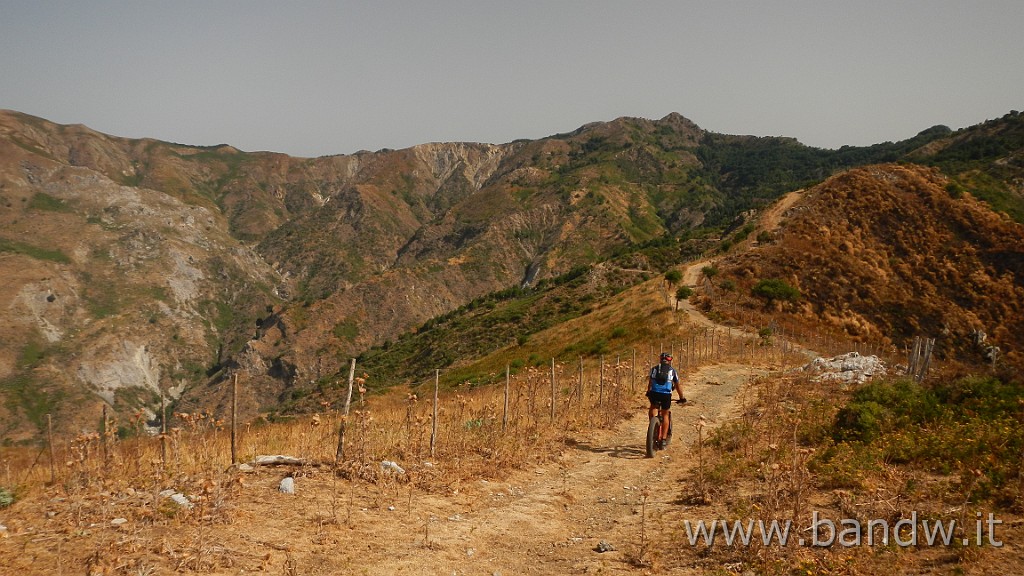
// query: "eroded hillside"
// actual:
[[139, 266], [112, 294]]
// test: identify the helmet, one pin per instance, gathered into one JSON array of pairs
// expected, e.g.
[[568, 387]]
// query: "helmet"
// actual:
[[666, 357]]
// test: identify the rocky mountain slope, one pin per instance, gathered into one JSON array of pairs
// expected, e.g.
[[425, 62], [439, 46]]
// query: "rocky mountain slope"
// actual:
[[140, 266], [885, 253], [111, 293]]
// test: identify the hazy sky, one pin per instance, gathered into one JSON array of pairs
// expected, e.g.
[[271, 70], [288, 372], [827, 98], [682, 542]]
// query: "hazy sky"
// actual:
[[314, 78]]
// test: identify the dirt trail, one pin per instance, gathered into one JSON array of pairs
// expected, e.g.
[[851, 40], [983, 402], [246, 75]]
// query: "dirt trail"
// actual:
[[771, 219], [550, 520]]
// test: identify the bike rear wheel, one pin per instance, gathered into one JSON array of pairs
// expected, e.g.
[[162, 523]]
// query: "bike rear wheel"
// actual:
[[652, 435]]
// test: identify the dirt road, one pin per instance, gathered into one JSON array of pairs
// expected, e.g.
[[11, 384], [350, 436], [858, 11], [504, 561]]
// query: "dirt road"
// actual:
[[552, 520]]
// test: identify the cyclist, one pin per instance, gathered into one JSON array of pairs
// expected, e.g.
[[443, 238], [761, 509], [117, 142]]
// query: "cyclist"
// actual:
[[663, 380]]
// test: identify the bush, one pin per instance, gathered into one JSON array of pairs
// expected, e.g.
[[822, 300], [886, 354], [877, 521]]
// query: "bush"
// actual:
[[981, 396], [878, 408], [969, 425], [860, 421], [775, 289], [6, 498]]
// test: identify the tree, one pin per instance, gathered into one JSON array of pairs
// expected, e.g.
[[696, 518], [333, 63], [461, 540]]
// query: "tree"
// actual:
[[709, 272], [683, 293], [673, 277]]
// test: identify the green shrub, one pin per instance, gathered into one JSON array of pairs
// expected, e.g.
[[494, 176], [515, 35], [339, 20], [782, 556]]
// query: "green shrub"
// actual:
[[6, 498], [860, 421], [775, 289], [346, 330], [973, 425], [45, 202], [880, 407], [33, 251]]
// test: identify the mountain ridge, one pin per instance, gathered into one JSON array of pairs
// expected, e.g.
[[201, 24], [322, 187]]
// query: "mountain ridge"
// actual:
[[298, 264]]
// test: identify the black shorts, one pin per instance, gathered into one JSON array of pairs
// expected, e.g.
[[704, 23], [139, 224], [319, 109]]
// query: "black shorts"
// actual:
[[660, 400]]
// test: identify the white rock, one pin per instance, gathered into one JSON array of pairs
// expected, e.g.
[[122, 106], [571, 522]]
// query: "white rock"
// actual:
[[389, 466], [181, 500], [851, 368], [287, 485], [118, 521], [272, 459]]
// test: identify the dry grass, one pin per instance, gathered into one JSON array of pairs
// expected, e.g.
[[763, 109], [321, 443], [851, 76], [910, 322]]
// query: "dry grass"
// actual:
[[880, 255], [761, 466]]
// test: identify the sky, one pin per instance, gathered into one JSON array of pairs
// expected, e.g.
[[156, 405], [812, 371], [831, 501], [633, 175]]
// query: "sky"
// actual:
[[313, 78]]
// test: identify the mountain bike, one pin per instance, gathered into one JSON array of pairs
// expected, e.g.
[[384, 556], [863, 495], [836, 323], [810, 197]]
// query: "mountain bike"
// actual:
[[654, 430]]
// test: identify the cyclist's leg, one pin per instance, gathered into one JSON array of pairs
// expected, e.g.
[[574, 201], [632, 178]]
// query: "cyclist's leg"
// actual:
[[664, 404], [652, 411]]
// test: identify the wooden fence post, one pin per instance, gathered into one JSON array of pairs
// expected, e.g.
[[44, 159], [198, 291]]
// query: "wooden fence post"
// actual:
[[579, 384], [433, 420], [340, 453], [504, 409], [234, 419], [619, 378], [926, 361], [552, 390], [635, 376], [49, 442], [163, 431], [103, 436]]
